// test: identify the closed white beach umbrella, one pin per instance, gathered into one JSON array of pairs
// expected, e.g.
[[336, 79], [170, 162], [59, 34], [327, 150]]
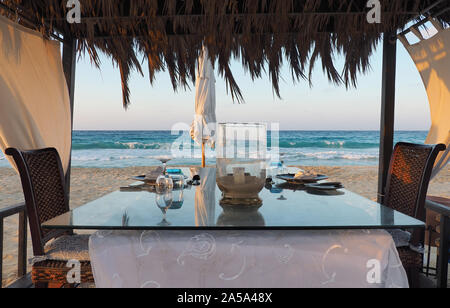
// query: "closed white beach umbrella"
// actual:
[[203, 130]]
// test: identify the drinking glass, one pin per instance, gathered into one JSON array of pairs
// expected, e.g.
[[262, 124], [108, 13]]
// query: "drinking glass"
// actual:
[[178, 200], [178, 181], [164, 184], [164, 202], [164, 160]]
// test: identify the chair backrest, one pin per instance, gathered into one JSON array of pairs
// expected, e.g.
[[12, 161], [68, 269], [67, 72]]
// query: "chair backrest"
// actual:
[[43, 185], [409, 178]]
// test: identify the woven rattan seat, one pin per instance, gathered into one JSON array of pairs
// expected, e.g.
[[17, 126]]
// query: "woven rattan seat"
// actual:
[[406, 190], [69, 247], [54, 273], [43, 185]]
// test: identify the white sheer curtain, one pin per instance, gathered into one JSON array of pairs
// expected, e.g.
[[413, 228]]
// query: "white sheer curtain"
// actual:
[[34, 99], [432, 58]]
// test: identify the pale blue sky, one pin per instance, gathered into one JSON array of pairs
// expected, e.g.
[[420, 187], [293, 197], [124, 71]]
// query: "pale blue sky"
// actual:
[[98, 102]]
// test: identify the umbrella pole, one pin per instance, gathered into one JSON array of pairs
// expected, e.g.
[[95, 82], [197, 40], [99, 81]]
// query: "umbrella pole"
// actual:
[[203, 155]]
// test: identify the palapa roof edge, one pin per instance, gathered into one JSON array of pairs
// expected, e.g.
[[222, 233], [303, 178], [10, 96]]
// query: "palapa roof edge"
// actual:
[[169, 34]]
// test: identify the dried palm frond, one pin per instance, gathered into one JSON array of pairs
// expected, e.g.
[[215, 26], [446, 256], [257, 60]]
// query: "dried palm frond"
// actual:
[[169, 35]]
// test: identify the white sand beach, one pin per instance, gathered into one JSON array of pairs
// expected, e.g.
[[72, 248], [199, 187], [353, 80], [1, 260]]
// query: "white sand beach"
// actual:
[[89, 184]]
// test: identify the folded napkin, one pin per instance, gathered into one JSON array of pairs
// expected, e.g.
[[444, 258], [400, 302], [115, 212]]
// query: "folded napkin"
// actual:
[[302, 174], [401, 237], [174, 171]]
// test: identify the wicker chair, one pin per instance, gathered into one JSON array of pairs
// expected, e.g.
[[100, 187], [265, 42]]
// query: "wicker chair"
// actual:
[[43, 185], [406, 190]]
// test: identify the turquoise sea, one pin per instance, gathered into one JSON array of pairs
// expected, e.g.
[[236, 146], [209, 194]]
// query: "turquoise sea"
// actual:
[[104, 149]]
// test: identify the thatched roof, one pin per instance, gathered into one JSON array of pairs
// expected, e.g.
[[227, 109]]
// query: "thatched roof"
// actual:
[[262, 33]]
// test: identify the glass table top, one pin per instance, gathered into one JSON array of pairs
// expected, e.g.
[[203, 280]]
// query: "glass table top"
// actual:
[[198, 207]]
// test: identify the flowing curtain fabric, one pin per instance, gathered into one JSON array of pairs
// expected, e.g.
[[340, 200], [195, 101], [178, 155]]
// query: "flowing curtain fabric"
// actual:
[[34, 98], [432, 58]]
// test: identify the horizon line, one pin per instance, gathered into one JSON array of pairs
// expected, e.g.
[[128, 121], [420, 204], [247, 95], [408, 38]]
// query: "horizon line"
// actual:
[[294, 130]]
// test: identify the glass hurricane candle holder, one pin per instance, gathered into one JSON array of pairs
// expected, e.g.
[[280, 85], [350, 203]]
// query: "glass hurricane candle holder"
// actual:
[[241, 162]]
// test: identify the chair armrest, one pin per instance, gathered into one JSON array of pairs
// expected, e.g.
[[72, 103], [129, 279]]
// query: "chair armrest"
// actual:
[[438, 208], [12, 210]]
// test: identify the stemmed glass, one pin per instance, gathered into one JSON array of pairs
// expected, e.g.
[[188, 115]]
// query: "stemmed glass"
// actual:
[[164, 202], [164, 182], [178, 200], [164, 188], [164, 160]]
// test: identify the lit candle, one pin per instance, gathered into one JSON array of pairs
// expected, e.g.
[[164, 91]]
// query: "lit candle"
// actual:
[[239, 175]]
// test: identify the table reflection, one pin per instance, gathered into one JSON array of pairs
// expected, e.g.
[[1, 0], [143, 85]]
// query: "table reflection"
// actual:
[[276, 190], [178, 199], [241, 216], [284, 206], [325, 192], [205, 196], [164, 202]]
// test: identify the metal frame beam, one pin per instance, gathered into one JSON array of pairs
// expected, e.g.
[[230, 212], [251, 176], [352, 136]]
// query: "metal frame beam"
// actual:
[[387, 109], [91, 19], [69, 66]]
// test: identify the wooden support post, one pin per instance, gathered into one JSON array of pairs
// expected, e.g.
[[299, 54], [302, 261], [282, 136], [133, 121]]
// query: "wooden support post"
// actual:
[[69, 66], [442, 275], [387, 110], [203, 155], [1, 252], [22, 254]]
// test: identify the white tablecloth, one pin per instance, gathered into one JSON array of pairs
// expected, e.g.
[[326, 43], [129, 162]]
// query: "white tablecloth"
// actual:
[[254, 259]]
